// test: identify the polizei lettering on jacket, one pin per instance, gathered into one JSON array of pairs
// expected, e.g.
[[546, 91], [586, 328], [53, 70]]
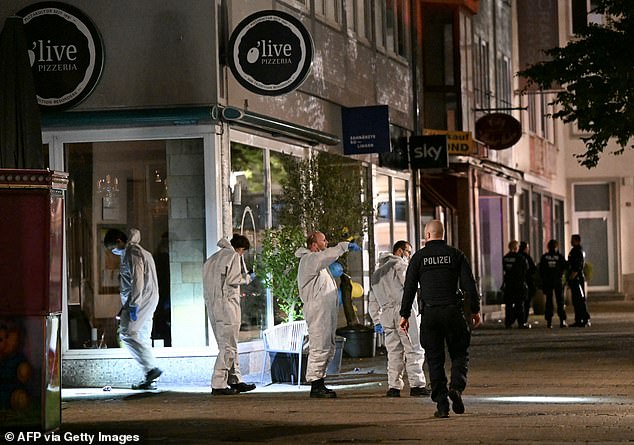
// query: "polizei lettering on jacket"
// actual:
[[436, 260]]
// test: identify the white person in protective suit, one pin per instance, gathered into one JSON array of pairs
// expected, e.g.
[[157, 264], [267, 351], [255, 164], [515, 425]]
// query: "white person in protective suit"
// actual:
[[404, 350], [223, 273], [318, 292], [139, 298]]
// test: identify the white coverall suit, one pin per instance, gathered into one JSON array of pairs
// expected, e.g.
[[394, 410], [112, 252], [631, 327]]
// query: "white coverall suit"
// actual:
[[385, 297], [223, 273], [318, 292], [139, 286]]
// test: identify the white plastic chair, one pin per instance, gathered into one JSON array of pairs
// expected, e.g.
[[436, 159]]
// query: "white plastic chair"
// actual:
[[287, 338]]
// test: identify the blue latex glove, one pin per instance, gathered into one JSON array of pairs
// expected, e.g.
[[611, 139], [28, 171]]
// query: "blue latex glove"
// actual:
[[132, 309], [251, 276], [354, 247], [378, 328]]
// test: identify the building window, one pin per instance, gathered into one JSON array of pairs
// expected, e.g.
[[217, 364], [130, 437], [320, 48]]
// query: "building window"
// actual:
[[582, 15], [299, 4], [154, 186], [330, 10], [481, 87], [503, 76], [357, 18], [392, 212], [391, 19], [441, 89]]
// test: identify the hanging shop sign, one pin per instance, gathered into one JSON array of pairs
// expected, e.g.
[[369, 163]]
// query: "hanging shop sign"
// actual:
[[365, 130], [65, 51], [498, 130], [427, 152], [270, 53]]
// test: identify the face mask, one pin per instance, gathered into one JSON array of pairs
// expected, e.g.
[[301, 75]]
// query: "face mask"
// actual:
[[117, 251]]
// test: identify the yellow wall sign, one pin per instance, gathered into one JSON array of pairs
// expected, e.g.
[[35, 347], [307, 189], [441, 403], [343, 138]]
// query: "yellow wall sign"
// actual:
[[458, 142]]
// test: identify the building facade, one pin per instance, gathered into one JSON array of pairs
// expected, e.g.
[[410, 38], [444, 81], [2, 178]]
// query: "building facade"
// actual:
[[168, 141]]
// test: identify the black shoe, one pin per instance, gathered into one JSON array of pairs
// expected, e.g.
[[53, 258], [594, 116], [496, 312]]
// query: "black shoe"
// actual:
[[442, 410], [144, 385], [456, 401], [153, 374], [323, 393], [549, 324], [242, 387], [393, 392], [224, 391], [318, 390], [524, 326], [149, 382], [419, 391], [562, 324]]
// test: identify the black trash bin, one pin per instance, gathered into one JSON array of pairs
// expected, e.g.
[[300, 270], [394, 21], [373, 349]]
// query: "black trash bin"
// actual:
[[360, 341]]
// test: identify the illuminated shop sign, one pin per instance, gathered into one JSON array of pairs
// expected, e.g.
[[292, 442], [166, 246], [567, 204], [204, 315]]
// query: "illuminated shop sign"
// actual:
[[270, 53], [65, 51]]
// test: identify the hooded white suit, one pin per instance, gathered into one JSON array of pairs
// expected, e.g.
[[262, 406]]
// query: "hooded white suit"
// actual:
[[223, 273], [384, 305], [318, 292], [139, 287]]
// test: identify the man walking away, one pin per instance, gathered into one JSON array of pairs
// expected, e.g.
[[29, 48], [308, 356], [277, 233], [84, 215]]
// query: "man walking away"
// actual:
[[439, 268]]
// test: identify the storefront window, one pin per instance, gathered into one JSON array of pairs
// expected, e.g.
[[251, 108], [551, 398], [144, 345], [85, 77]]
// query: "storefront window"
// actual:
[[383, 215], [401, 211], [492, 246], [158, 188], [250, 216]]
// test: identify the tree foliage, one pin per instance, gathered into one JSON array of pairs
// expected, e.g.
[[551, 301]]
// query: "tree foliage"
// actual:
[[595, 80], [325, 193], [277, 268]]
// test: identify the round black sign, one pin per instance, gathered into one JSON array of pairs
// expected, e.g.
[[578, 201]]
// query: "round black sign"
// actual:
[[498, 130], [270, 53], [65, 51]]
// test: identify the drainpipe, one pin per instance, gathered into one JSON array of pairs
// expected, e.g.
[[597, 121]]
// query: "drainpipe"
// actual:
[[414, 21]]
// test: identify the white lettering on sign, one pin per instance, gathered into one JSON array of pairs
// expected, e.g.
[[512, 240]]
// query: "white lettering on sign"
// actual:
[[427, 152]]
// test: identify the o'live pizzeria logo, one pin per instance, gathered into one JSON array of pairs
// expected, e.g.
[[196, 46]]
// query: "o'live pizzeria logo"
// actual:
[[270, 53], [66, 53]]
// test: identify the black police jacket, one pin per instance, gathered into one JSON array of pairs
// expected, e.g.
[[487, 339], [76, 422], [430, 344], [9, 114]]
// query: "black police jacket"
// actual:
[[552, 266], [515, 271], [439, 269], [576, 260]]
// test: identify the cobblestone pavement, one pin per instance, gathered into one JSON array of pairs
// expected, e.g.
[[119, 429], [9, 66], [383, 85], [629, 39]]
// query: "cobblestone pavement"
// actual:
[[534, 386]]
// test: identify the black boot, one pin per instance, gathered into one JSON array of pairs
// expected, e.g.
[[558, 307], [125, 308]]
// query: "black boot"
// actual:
[[318, 390]]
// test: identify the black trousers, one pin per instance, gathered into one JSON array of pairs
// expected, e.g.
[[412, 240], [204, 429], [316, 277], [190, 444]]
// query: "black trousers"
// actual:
[[514, 304], [442, 325], [579, 302], [558, 290]]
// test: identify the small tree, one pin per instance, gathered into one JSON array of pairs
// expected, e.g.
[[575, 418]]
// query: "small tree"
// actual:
[[326, 193], [277, 268]]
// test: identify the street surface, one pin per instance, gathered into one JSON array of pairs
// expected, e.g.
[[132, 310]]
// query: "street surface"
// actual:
[[534, 386]]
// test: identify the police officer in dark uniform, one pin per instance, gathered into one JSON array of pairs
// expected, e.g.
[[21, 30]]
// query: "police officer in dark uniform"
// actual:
[[552, 266], [439, 269], [576, 282], [530, 279], [515, 288]]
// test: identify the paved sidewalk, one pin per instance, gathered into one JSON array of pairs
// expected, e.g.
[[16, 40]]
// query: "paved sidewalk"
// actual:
[[537, 386]]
